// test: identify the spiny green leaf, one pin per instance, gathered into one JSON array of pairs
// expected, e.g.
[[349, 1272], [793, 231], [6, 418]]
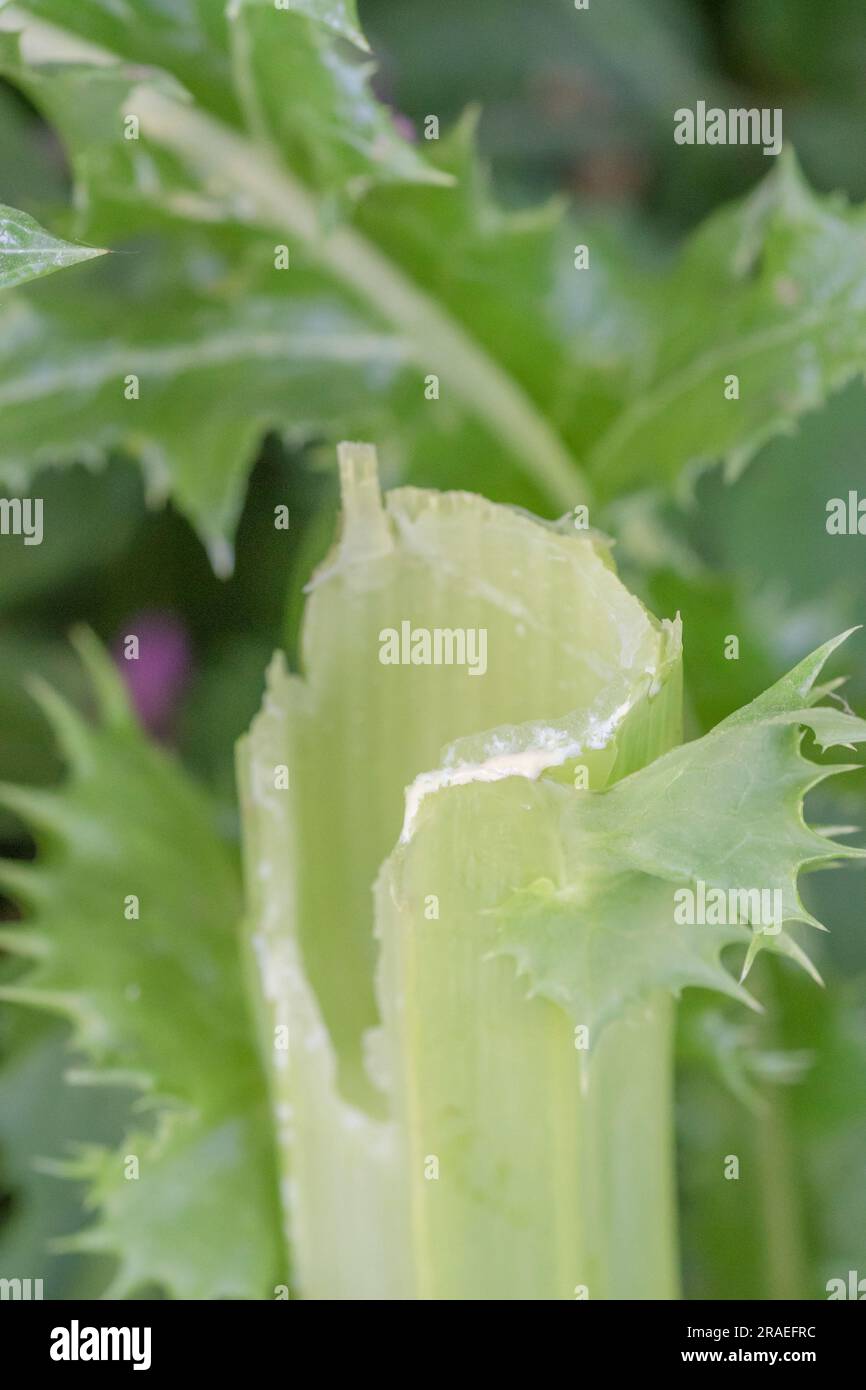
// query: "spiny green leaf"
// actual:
[[545, 365], [341, 16], [28, 252], [189, 39], [725, 811], [288, 178], [771, 291], [284, 82], [187, 387], [40, 1114], [154, 1000], [310, 100]]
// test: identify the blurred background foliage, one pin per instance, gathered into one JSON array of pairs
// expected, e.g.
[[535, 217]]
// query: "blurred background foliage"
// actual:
[[586, 113]]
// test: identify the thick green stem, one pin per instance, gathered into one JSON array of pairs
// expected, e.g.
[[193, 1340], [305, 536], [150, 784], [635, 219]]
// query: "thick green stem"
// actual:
[[540, 1161], [442, 1134]]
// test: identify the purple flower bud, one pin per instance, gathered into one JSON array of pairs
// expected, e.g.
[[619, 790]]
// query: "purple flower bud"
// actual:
[[154, 655]]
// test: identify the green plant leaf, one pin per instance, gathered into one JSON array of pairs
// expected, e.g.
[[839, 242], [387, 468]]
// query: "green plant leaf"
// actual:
[[28, 252], [188, 387], [779, 278], [549, 367], [726, 811], [205, 162], [191, 40], [155, 1003], [309, 99], [42, 1113]]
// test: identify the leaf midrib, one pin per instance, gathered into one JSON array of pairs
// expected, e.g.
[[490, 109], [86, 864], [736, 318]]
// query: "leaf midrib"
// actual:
[[97, 370]]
